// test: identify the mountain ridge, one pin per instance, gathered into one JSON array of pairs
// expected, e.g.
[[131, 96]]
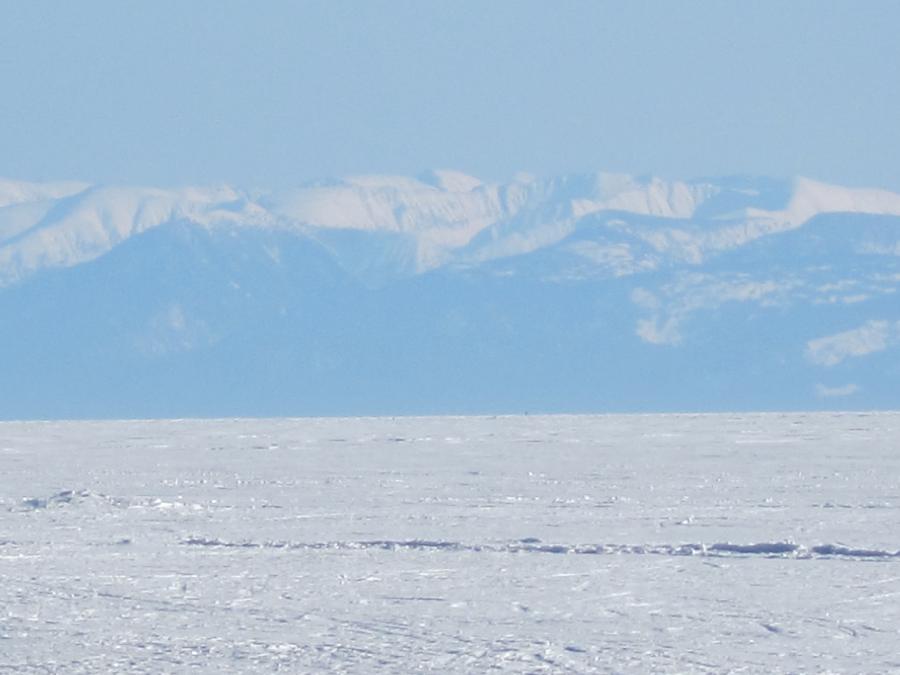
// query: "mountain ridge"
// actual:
[[67, 223], [443, 293]]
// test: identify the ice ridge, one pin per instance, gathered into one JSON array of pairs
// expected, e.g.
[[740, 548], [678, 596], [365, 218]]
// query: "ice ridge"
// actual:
[[774, 549]]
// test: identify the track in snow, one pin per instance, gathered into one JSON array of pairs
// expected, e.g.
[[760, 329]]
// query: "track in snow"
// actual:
[[675, 543]]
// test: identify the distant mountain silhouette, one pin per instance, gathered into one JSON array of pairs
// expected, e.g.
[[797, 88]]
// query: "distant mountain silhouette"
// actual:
[[443, 294]]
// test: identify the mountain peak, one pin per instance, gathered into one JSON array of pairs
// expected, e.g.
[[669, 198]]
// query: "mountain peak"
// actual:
[[449, 180], [557, 293], [444, 215]]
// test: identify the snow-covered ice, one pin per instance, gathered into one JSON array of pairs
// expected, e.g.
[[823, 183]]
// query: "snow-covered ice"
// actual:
[[667, 543]]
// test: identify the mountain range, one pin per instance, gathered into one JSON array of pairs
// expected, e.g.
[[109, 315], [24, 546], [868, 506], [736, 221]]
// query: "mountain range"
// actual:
[[441, 293]]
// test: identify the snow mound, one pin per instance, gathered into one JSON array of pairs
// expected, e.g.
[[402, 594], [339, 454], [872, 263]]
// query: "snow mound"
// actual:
[[531, 545], [70, 499]]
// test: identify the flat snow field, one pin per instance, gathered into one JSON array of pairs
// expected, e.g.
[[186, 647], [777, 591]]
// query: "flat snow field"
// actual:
[[633, 544]]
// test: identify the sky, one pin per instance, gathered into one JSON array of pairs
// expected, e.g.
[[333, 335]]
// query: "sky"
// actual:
[[277, 93]]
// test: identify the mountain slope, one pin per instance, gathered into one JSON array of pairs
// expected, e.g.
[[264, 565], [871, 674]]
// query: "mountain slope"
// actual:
[[441, 293]]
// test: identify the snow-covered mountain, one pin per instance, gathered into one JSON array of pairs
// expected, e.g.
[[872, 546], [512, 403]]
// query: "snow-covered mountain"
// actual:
[[443, 293]]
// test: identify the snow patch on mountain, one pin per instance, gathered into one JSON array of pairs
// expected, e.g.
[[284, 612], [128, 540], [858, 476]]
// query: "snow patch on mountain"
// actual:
[[823, 391], [653, 197], [95, 220], [173, 330], [20, 192], [555, 208], [450, 181], [871, 337], [439, 215], [811, 198], [674, 303]]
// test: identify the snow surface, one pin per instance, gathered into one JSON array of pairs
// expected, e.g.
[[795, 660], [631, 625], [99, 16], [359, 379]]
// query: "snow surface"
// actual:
[[669, 543]]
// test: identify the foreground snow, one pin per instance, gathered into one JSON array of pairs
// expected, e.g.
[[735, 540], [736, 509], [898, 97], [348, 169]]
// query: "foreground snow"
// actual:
[[679, 543]]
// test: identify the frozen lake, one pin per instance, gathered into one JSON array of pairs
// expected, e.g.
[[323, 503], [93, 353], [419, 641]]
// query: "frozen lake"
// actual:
[[662, 543]]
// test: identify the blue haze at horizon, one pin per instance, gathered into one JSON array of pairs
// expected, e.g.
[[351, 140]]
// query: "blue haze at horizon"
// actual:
[[282, 92]]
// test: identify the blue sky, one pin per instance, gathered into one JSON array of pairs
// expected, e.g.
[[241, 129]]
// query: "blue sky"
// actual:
[[276, 93]]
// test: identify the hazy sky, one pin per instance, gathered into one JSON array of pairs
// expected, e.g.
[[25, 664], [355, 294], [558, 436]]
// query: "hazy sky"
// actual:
[[275, 93]]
